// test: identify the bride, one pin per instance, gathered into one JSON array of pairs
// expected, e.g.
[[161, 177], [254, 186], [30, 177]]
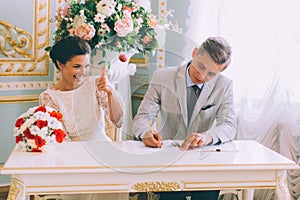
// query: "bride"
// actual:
[[83, 101]]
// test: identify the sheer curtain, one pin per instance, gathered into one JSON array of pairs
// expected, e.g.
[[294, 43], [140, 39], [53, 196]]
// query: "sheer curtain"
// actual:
[[265, 37]]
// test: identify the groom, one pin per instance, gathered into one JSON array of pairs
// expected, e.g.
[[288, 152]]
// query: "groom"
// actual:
[[195, 104]]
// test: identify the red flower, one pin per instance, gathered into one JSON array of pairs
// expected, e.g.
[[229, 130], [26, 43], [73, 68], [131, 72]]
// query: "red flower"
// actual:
[[59, 135], [19, 138], [57, 115], [28, 134], [122, 58], [19, 122], [36, 150], [39, 141], [41, 124], [41, 108]]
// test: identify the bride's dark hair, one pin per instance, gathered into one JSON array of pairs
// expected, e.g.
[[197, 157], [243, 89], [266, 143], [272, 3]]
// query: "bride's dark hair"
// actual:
[[66, 48]]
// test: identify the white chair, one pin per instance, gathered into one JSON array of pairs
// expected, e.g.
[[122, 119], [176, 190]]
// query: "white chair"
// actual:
[[48, 197], [237, 195]]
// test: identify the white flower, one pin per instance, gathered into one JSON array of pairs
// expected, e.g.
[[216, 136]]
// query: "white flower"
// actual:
[[77, 21], [99, 18], [28, 123], [81, 12], [52, 123], [44, 132], [101, 32], [139, 20], [31, 143], [34, 129], [50, 139], [119, 7], [106, 7], [22, 145]]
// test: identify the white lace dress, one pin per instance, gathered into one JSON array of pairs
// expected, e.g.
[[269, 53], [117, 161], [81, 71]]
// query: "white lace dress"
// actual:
[[83, 112]]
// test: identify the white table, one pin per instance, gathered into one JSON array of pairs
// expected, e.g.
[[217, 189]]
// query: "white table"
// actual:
[[128, 166]]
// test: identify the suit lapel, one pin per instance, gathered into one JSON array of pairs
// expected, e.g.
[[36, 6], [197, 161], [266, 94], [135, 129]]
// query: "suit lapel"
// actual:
[[181, 92], [205, 93]]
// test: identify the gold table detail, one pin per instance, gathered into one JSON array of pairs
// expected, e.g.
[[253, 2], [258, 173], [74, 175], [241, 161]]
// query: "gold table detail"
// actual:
[[156, 186]]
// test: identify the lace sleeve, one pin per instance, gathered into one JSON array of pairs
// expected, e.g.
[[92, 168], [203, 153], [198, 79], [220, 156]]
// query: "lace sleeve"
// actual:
[[46, 100], [103, 102]]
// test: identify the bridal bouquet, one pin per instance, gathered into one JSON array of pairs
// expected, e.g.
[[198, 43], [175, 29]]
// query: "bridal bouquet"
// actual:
[[37, 128], [108, 25]]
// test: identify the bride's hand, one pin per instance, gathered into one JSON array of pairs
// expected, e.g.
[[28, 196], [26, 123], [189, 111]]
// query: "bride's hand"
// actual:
[[102, 82]]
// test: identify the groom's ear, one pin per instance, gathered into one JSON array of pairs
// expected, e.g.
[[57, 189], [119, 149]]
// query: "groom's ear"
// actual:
[[195, 52]]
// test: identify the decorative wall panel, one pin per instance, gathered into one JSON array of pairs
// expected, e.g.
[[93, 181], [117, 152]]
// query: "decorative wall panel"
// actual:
[[21, 50]]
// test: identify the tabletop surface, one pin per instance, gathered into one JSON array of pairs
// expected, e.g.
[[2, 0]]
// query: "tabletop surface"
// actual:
[[99, 156]]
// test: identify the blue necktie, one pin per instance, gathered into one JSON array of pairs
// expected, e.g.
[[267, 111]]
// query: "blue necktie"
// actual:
[[196, 90], [192, 100]]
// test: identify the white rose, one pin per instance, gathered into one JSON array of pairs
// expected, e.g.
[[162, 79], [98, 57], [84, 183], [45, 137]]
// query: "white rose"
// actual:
[[31, 143], [27, 123], [77, 21], [34, 129], [106, 7], [43, 132]]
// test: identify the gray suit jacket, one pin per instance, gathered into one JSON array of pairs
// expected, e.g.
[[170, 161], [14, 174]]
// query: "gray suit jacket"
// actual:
[[167, 97]]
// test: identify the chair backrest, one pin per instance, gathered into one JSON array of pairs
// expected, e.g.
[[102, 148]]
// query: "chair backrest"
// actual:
[[111, 130]]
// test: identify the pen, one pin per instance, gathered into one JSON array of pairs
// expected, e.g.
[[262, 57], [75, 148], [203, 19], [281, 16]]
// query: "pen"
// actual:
[[155, 135], [216, 150]]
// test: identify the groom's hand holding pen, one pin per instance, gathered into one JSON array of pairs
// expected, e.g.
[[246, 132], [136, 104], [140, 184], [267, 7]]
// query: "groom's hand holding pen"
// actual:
[[152, 138]]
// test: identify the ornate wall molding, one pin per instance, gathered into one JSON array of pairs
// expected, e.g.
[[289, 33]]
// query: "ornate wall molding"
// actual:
[[19, 99], [25, 85], [162, 8], [21, 52]]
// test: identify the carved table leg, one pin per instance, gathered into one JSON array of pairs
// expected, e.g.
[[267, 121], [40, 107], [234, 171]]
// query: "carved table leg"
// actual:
[[282, 190], [17, 190]]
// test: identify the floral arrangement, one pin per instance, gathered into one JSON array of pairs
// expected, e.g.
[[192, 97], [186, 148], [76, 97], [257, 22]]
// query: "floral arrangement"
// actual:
[[108, 25], [38, 127]]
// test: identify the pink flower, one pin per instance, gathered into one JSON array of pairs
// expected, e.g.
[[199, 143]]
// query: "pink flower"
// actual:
[[64, 12], [85, 31], [147, 39], [105, 26], [124, 26], [127, 8], [152, 22], [118, 44], [72, 31]]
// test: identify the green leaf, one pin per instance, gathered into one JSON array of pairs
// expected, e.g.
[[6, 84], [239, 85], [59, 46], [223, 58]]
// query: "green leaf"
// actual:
[[108, 65], [101, 62], [48, 48]]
